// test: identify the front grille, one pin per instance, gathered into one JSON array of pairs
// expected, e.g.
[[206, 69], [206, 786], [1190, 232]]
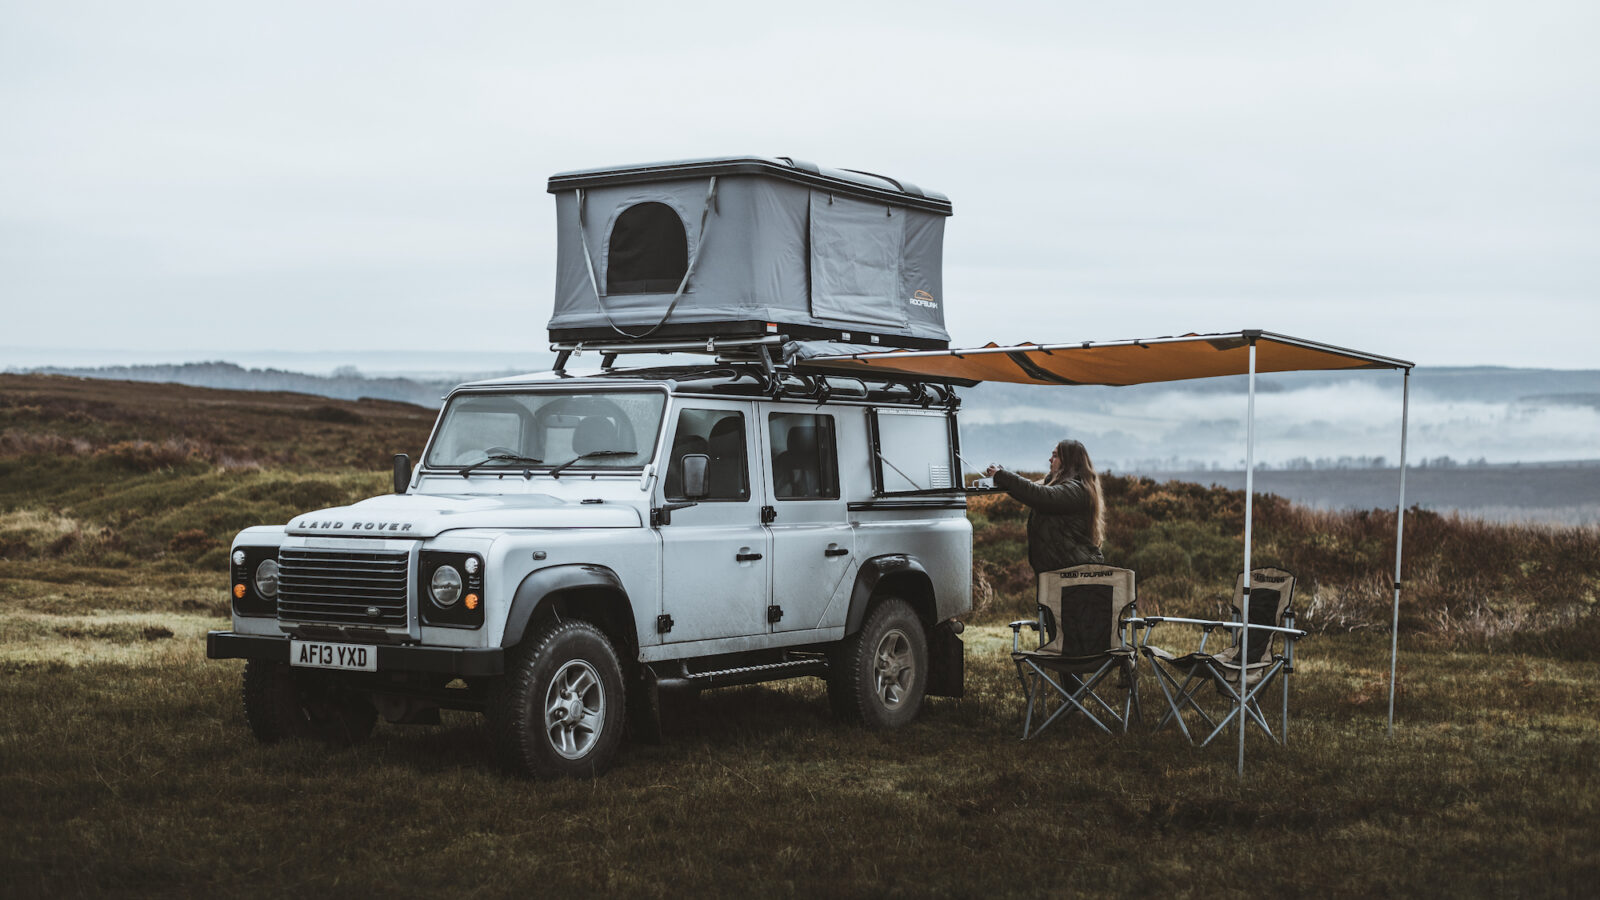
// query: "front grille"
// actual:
[[344, 586]]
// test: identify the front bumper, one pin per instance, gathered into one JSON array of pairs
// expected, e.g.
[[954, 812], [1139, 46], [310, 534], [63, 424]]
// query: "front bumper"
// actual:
[[462, 661]]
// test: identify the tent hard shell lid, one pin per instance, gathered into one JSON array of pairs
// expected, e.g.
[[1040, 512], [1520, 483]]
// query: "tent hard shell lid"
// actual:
[[1144, 362], [747, 246]]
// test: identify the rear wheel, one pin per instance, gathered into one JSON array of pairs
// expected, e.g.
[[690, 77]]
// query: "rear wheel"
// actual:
[[282, 702], [560, 708], [877, 676]]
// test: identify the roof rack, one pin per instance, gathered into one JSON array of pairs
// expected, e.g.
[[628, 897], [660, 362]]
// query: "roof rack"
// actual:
[[726, 349], [776, 379]]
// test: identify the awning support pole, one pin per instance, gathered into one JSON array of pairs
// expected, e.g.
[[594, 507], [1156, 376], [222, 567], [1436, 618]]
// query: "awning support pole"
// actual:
[[1249, 509], [1399, 543]]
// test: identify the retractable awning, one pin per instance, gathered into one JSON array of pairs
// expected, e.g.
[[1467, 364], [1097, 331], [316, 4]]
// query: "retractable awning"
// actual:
[[1144, 362], [1112, 362]]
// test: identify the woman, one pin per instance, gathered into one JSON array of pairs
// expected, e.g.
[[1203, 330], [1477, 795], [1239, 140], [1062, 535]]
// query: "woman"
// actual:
[[1066, 518]]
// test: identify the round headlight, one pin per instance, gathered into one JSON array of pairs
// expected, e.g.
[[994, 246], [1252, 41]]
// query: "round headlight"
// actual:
[[238, 557], [267, 578], [471, 565], [446, 586]]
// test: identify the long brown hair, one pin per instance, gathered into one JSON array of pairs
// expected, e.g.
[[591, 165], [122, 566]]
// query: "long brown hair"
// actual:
[[1075, 463]]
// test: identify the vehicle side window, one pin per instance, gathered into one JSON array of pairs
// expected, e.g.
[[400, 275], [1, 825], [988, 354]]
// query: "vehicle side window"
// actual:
[[805, 465], [719, 434]]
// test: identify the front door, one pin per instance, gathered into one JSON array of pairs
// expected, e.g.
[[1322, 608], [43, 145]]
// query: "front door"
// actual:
[[716, 555], [813, 545]]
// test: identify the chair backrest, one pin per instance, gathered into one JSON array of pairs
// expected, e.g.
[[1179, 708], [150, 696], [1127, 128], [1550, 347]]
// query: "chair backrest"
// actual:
[[1271, 598], [1081, 609]]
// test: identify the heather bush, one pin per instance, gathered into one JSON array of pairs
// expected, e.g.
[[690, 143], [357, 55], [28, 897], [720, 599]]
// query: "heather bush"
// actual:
[[1468, 583]]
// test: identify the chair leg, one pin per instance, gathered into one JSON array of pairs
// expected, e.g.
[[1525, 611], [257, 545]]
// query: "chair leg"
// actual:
[[1283, 732], [1130, 703], [1249, 703], [1163, 679], [1072, 704], [1185, 697], [1028, 685]]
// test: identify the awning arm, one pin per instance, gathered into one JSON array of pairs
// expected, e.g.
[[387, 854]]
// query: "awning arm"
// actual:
[[1399, 543], [1249, 519]]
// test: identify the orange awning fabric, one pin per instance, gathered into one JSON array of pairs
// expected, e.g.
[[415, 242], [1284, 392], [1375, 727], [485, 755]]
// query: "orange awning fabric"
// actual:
[[1112, 362]]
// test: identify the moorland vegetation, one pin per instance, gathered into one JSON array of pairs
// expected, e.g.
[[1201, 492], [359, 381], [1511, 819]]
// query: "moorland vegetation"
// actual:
[[125, 766]]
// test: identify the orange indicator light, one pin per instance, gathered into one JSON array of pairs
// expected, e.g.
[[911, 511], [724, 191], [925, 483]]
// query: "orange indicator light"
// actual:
[[238, 592], [472, 601]]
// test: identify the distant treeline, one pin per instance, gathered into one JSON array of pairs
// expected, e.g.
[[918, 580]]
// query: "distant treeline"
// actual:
[[346, 383]]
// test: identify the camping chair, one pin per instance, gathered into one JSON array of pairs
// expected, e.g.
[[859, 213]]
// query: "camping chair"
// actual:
[[1271, 619], [1083, 625]]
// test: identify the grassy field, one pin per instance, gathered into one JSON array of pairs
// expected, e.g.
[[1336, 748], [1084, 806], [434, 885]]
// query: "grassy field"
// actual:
[[126, 767]]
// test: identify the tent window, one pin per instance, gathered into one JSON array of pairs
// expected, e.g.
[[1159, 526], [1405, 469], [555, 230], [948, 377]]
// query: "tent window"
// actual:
[[649, 251]]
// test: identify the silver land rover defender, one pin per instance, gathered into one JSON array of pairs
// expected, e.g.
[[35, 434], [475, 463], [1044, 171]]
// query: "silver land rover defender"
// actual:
[[569, 545]]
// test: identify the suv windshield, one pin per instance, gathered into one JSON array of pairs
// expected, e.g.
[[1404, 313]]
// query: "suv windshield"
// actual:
[[508, 430]]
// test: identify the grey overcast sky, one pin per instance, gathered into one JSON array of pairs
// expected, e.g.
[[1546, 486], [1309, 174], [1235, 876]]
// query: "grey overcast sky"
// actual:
[[1414, 179]]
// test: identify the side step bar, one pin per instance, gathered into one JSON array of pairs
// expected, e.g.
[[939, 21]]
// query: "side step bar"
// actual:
[[744, 675]]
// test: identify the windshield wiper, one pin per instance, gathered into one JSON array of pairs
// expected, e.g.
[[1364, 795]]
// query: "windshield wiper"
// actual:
[[499, 457], [556, 472]]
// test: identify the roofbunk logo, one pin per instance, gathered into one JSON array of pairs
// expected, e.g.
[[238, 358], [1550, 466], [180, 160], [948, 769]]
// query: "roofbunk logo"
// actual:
[[923, 298]]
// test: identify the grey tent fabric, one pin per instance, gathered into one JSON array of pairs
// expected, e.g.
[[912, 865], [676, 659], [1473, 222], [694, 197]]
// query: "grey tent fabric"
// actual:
[[855, 261], [817, 253]]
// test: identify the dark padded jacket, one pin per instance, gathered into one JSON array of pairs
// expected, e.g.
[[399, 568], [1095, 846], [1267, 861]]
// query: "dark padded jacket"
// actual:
[[1060, 522]]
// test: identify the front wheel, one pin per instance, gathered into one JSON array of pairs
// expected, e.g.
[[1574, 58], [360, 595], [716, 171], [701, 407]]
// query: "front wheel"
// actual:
[[877, 676], [559, 709]]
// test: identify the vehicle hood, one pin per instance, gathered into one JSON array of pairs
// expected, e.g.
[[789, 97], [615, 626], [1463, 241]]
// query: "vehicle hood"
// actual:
[[427, 515]]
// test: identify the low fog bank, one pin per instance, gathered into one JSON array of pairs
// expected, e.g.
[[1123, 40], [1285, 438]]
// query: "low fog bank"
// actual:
[[1556, 494], [1317, 422]]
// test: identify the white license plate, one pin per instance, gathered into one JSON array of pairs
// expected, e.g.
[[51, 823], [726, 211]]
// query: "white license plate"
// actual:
[[323, 655]]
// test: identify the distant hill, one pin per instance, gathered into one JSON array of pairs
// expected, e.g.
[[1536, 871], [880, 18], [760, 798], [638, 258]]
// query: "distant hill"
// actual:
[[344, 385], [140, 425]]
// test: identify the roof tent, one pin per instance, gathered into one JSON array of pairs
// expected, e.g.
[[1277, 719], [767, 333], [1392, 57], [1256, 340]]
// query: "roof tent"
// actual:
[[1144, 362], [746, 246]]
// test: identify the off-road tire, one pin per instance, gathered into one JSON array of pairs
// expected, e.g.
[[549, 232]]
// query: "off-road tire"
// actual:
[[282, 703], [877, 677], [524, 730]]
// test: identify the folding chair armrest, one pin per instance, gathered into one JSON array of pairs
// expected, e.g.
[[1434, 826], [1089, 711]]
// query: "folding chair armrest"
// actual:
[[1204, 623], [1016, 631], [1292, 632]]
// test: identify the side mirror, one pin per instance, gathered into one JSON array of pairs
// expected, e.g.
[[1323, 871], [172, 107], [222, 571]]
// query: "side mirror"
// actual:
[[402, 473], [694, 475]]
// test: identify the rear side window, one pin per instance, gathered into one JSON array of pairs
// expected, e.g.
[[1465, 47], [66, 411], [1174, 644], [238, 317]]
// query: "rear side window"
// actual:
[[805, 465], [649, 251]]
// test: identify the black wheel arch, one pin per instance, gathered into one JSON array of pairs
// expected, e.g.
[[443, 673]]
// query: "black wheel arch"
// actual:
[[577, 591], [894, 574]]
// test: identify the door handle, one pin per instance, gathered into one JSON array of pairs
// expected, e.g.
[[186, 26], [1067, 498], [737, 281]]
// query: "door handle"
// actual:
[[747, 557], [835, 551]]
